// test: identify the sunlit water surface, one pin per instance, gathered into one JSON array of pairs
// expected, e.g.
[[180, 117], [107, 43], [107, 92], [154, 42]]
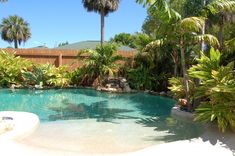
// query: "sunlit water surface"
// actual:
[[84, 120]]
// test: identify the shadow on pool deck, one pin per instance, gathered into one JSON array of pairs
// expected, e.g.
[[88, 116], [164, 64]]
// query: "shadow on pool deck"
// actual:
[[176, 129], [226, 140]]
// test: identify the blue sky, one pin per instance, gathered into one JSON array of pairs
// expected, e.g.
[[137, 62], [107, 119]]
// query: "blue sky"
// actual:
[[53, 21]]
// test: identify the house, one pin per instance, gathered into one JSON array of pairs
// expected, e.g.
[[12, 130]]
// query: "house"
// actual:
[[90, 45]]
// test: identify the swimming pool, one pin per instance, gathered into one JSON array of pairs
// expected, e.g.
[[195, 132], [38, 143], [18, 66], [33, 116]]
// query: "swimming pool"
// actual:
[[85, 120]]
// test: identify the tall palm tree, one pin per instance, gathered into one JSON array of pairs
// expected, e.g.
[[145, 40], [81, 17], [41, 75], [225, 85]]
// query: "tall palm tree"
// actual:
[[15, 29], [188, 33], [103, 7], [185, 33], [182, 32], [220, 12]]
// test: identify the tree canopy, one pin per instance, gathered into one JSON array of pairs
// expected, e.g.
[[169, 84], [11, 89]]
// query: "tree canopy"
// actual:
[[15, 29]]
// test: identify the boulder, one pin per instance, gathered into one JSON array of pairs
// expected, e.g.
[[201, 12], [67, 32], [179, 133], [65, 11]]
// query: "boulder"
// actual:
[[112, 84], [163, 93]]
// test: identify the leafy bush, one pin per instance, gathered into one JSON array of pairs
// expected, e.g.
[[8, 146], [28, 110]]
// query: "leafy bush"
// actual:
[[35, 76], [82, 77], [141, 78], [123, 39], [58, 77], [178, 89], [217, 88], [141, 40], [11, 68], [150, 69], [47, 74]]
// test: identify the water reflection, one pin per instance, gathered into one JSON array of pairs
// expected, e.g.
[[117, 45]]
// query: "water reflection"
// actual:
[[98, 110]]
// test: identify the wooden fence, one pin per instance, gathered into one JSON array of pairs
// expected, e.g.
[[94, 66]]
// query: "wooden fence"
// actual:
[[57, 57]]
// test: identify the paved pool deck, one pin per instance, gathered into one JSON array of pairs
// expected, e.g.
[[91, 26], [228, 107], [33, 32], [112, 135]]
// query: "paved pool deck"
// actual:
[[210, 143]]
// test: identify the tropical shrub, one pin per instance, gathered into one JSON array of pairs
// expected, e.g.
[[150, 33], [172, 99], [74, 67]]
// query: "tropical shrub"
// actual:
[[150, 68], [217, 88], [178, 89], [140, 40], [76, 76], [35, 76], [11, 68], [58, 76], [125, 39], [47, 74], [83, 77], [141, 78], [98, 63]]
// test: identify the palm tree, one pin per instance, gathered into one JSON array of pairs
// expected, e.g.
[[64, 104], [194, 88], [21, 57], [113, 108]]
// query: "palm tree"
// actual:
[[184, 33], [103, 7], [100, 62], [162, 8], [15, 29], [221, 11], [188, 33]]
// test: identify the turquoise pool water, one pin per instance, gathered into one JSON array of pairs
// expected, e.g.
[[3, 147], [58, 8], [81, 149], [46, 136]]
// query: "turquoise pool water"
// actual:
[[140, 109]]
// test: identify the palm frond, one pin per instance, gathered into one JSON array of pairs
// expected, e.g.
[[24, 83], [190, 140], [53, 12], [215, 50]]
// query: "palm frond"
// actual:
[[101, 5], [192, 24], [208, 38], [221, 6], [153, 45], [230, 45], [145, 2], [161, 8]]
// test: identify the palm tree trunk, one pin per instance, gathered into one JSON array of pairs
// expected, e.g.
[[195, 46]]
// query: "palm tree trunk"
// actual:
[[102, 28], [221, 32], [175, 57], [185, 75], [15, 44], [202, 42], [203, 30]]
